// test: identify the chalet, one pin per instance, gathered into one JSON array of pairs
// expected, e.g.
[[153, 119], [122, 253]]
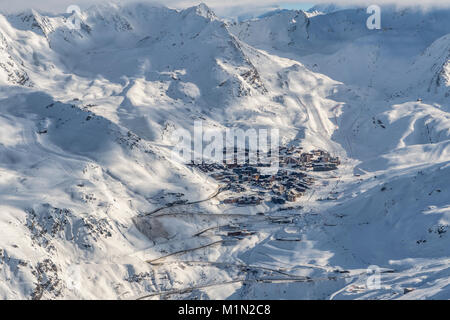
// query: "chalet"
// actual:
[[264, 177], [282, 173], [263, 165], [231, 165], [324, 167], [306, 157], [265, 184], [236, 188], [218, 176], [230, 200], [287, 184], [291, 160], [278, 187], [292, 196], [241, 233], [278, 200], [301, 185], [249, 200], [277, 192], [335, 160]]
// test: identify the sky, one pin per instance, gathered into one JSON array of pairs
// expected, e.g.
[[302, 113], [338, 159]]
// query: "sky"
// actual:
[[297, 6], [221, 7]]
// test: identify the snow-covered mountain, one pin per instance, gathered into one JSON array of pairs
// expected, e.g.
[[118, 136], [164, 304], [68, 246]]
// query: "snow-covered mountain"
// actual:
[[434, 62], [86, 120]]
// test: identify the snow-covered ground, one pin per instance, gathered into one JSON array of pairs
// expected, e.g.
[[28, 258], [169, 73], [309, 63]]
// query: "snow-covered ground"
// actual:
[[86, 118]]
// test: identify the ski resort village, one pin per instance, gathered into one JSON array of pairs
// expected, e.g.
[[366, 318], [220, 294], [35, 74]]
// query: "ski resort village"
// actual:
[[250, 184], [351, 200]]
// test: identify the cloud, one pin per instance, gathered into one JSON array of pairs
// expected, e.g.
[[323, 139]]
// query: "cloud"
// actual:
[[220, 6]]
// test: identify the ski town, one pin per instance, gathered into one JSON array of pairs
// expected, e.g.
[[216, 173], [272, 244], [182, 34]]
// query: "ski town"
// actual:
[[251, 184]]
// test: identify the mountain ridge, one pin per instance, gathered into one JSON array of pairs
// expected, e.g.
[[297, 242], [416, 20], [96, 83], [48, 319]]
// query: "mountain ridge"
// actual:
[[90, 194]]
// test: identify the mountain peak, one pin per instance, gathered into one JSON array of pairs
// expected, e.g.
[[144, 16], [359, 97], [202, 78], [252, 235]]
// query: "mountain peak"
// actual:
[[202, 10], [330, 8]]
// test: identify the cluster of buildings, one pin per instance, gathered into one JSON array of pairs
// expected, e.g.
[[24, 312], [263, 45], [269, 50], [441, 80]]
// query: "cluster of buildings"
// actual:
[[316, 160], [251, 186]]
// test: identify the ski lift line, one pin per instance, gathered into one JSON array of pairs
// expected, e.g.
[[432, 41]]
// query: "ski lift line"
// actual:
[[188, 250], [212, 196], [236, 265], [333, 295], [211, 228], [237, 215], [248, 281], [287, 239], [187, 290], [218, 215]]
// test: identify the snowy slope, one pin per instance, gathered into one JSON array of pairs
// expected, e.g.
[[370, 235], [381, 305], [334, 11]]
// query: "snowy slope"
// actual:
[[11, 66], [86, 122], [434, 62]]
